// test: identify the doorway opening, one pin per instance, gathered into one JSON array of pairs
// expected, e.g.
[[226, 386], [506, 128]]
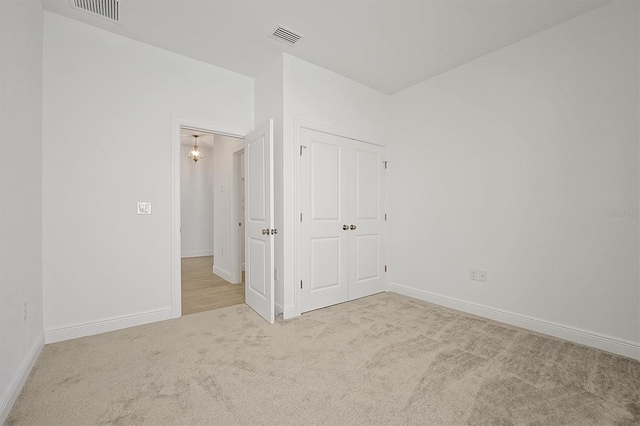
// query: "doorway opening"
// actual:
[[257, 234], [211, 231]]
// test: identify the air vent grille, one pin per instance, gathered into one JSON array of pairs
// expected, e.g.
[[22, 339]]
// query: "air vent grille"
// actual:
[[108, 9], [286, 35]]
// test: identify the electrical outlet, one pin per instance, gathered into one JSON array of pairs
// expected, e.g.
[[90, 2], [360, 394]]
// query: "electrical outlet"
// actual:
[[482, 276], [24, 312], [473, 274]]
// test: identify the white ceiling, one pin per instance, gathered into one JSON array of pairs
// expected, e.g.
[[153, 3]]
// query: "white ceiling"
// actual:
[[385, 44]]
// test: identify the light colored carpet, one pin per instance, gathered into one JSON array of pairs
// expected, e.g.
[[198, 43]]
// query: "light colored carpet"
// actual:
[[384, 359]]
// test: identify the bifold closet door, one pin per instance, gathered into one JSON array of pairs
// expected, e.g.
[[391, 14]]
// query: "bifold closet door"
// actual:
[[343, 229], [324, 196]]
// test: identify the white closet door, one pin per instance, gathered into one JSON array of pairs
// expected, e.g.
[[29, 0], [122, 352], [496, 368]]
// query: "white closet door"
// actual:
[[343, 220], [367, 222], [324, 196]]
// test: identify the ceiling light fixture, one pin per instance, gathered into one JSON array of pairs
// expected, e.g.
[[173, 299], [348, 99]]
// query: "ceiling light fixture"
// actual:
[[195, 155]]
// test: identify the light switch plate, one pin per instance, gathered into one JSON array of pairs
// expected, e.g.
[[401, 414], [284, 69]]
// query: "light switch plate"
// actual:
[[144, 207]]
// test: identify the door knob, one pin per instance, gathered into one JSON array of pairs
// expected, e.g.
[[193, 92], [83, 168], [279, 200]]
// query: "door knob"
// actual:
[[345, 227], [265, 231], [353, 227]]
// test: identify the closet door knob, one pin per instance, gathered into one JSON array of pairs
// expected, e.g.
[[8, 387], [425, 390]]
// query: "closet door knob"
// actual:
[[345, 227], [353, 227], [265, 231]]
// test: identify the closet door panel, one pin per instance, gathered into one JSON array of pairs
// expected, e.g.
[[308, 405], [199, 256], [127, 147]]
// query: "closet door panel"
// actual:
[[367, 184], [325, 209], [366, 202]]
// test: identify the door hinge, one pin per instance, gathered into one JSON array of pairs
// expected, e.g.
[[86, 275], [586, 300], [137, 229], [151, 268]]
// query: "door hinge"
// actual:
[[385, 164], [385, 216], [385, 268], [301, 148], [300, 217], [301, 284]]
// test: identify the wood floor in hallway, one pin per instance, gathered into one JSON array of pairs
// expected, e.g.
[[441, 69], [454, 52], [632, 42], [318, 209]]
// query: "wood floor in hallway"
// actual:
[[202, 290]]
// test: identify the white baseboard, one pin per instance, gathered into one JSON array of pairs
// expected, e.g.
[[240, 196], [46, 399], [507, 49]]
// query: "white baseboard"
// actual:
[[199, 253], [588, 338], [112, 324], [289, 312], [222, 273], [286, 313], [17, 382]]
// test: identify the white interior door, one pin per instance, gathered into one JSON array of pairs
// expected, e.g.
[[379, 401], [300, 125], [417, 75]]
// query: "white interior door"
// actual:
[[342, 196], [259, 264], [241, 213], [367, 221], [324, 192]]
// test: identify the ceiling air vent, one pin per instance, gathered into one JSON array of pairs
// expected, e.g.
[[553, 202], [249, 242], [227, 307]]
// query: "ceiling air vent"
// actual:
[[108, 9], [286, 35]]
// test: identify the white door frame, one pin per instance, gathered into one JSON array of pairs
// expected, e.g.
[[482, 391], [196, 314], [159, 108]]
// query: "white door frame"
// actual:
[[176, 269], [236, 262], [298, 125]]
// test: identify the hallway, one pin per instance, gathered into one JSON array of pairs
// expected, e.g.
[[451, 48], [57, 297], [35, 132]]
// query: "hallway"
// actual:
[[202, 290]]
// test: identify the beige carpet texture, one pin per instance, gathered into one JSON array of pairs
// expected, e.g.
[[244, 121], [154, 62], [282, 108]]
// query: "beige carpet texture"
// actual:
[[384, 359]]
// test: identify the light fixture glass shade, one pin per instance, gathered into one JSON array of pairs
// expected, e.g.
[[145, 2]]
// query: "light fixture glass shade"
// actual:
[[195, 155]]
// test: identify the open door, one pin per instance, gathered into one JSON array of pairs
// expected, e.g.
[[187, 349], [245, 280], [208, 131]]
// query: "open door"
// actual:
[[260, 232]]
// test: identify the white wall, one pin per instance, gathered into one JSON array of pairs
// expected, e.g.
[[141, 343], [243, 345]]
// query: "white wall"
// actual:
[[322, 98], [20, 195], [225, 226], [108, 104], [292, 91], [196, 203], [509, 164]]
